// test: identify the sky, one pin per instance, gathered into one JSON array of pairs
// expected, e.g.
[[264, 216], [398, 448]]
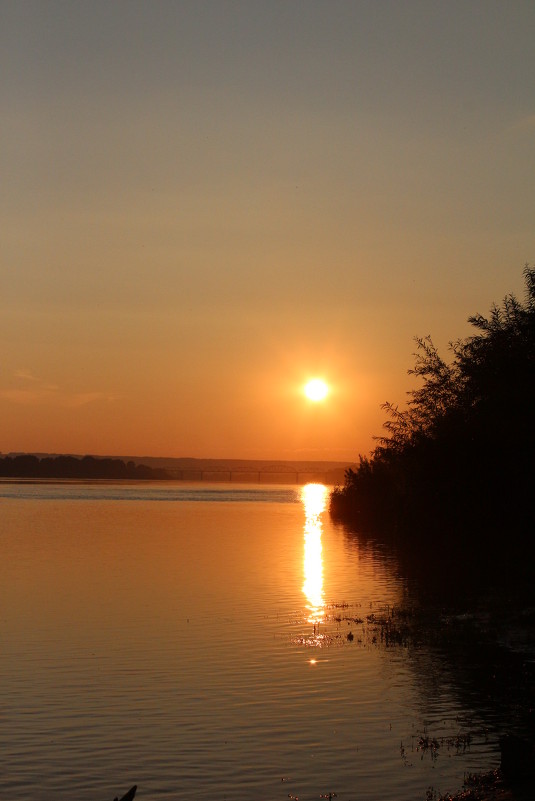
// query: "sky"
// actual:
[[205, 204]]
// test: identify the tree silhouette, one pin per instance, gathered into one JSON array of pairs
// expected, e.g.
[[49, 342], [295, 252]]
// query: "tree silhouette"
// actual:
[[461, 451], [73, 467]]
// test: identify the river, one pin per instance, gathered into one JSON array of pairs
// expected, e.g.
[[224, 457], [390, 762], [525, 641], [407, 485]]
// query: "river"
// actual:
[[214, 642]]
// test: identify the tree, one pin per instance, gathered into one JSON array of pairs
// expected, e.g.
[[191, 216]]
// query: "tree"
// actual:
[[461, 451]]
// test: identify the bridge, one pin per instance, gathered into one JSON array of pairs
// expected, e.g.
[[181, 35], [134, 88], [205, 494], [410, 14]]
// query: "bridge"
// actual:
[[273, 474]]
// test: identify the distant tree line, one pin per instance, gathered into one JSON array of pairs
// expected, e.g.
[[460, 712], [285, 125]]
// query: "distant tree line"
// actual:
[[460, 455], [30, 466]]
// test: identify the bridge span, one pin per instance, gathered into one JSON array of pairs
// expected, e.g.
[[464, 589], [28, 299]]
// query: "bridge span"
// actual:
[[250, 476]]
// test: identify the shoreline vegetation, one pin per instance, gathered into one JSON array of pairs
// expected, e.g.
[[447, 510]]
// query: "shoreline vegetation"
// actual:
[[459, 457], [26, 466]]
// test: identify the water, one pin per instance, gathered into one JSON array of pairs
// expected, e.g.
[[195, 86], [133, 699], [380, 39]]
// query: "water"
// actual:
[[193, 639]]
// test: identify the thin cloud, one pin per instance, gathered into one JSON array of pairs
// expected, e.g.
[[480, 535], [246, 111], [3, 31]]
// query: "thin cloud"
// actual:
[[83, 398], [25, 375], [41, 393]]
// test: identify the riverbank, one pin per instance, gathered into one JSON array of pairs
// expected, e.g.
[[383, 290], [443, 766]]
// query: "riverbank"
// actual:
[[489, 787], [486, 646]]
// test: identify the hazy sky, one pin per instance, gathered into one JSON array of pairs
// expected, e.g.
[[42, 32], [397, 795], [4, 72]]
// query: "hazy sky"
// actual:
[[206, 203]]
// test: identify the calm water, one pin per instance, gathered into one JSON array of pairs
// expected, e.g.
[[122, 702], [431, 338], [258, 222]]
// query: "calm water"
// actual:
[[193, 640]]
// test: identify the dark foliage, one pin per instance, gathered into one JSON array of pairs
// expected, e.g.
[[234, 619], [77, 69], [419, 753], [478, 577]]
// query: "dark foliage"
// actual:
[[460, 455], [29, 466]]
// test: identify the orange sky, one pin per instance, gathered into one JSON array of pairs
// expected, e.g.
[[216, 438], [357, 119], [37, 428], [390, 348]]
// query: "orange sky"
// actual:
[[206, 204]]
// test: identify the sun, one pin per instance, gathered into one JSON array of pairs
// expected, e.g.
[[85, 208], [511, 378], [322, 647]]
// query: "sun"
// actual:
[[316, 389]]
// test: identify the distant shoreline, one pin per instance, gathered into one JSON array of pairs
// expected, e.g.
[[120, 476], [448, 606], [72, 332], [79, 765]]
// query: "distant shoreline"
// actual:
[[195, 462], [69, 467]]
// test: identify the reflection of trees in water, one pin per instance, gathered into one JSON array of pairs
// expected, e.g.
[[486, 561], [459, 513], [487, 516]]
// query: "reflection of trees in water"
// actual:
[[456, 626]]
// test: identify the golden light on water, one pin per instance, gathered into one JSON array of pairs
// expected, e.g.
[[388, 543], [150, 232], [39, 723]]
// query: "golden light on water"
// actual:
[[314, 497]]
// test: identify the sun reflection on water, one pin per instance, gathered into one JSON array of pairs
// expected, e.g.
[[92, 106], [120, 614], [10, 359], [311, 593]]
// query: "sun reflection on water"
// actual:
[[314, 497]]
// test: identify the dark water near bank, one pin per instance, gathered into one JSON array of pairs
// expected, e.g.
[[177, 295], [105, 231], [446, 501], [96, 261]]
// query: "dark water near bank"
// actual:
[[194, 640]]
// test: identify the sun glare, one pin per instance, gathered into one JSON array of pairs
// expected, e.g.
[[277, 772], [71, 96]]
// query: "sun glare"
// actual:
[[316, 389]]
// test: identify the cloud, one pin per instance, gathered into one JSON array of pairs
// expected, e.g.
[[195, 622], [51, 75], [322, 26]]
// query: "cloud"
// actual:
[[83, 398], [41, 393], [25, 375]]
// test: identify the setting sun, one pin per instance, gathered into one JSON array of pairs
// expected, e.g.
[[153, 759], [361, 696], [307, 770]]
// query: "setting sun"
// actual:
[[316, 389]]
